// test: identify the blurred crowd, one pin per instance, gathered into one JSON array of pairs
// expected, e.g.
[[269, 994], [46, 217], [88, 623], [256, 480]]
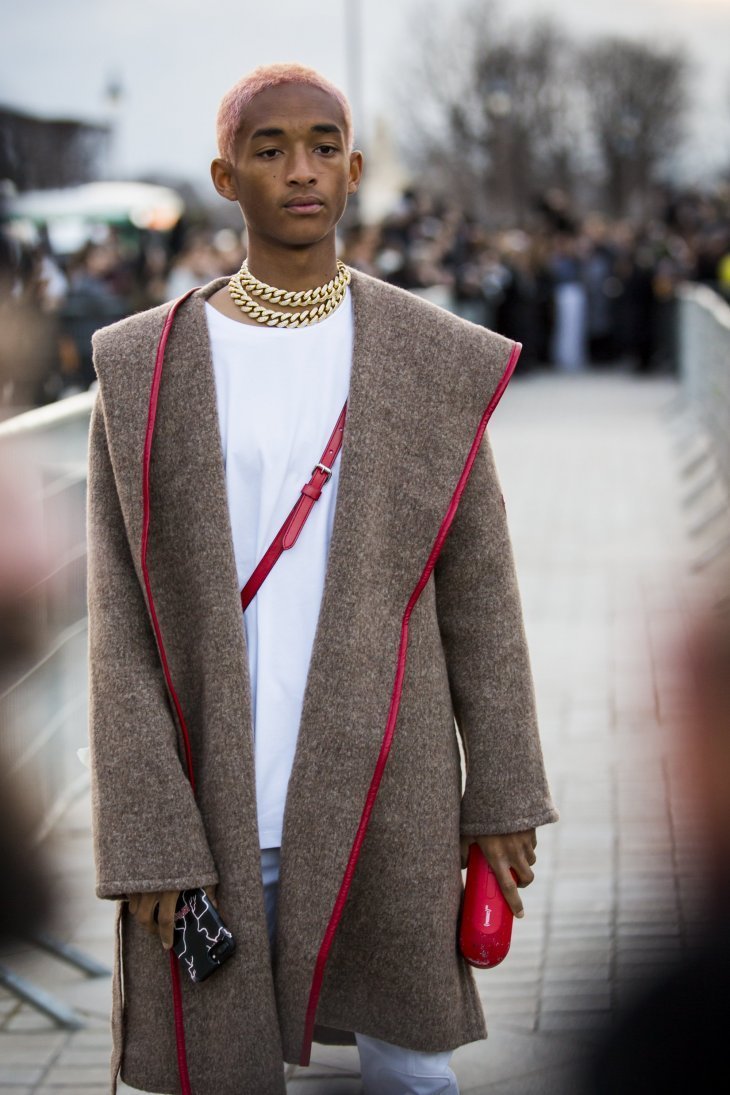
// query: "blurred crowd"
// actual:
[[579, 293]]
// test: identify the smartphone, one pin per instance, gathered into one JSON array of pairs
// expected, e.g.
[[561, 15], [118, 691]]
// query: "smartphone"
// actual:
[[201, 940]]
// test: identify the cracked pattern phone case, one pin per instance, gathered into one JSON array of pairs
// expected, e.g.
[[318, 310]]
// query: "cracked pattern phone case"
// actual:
[[201, 940]]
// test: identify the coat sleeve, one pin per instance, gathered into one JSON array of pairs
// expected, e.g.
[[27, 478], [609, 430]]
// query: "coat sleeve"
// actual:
[[480, 619], [148, 832]]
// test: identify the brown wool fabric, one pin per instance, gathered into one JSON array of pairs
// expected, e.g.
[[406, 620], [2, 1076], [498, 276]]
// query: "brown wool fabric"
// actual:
[[421, 381]]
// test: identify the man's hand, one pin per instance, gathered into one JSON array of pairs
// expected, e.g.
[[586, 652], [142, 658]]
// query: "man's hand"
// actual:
[[155, 911], [515, 851]]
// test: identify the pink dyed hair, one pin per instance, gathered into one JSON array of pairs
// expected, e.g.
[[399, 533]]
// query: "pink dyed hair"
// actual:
[[233, 104]]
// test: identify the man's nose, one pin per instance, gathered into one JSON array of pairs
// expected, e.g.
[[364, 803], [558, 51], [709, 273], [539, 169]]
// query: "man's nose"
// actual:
[[302, 168]]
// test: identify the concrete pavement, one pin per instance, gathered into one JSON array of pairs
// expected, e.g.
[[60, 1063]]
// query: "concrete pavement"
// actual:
[[592, 489]]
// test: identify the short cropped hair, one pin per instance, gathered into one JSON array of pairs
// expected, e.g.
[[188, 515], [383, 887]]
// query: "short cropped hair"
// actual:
[[233, 104]]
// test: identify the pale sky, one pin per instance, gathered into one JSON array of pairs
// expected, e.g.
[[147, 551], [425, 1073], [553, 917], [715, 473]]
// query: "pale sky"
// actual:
[[176, 58]]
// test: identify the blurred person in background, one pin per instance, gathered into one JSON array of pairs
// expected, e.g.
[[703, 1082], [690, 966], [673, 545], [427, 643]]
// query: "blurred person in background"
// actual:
[[601, 291], [519, 311], [98, 291], [196, 263], [28, 327], [635, 316], [723, 272], [344, 908], [568, 344], [468, 247], [360, 247]]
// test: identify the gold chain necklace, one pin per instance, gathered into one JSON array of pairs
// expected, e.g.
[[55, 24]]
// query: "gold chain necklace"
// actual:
[[314, 304]]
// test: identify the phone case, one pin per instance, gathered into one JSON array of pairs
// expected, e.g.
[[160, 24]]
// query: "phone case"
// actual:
[[201, 940], [485, 932]]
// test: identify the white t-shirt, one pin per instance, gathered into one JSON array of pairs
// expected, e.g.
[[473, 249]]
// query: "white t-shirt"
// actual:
[[279, 393]]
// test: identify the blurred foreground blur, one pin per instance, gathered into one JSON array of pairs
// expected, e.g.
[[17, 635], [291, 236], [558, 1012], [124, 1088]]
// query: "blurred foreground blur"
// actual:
[[27, 894], [669, 1037]]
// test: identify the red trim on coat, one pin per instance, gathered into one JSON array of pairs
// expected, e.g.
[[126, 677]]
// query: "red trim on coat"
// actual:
[[146, 459], [182, 1056], [182, 1061], [339, 904]]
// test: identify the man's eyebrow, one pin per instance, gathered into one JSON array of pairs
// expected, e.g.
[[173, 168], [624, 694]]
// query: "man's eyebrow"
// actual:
[[326, 127], [275, 131], [269, 131]]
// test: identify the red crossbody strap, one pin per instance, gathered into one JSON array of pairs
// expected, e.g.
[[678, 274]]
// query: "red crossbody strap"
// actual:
[[287, 535]]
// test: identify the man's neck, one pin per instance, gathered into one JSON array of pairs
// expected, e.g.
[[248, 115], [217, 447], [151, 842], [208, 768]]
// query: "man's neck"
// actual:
[[292, 270]]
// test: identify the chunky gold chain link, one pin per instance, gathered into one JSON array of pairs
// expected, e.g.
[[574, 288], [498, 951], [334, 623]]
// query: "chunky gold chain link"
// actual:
[[277, 319], [299, 298], [237, 287]]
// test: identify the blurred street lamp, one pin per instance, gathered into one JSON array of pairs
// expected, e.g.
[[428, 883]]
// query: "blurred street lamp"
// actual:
[[498, 104], [498, 100], [353, 53], [627, 132], [113, 96]]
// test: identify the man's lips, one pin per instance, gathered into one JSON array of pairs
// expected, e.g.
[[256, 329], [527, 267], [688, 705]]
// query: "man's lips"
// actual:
[[304, 204]]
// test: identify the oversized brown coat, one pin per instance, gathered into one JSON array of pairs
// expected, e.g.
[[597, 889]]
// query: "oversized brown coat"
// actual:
[[420, 629]]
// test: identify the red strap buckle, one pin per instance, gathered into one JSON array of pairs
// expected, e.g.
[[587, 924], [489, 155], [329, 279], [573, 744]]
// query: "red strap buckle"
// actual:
[[325, 469], [287, 535]]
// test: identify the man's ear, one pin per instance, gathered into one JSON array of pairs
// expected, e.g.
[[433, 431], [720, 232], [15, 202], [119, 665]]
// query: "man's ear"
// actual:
[[221, 173], [356, 164]]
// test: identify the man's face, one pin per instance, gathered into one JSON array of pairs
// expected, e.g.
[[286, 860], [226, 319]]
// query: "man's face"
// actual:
[[291, 145]]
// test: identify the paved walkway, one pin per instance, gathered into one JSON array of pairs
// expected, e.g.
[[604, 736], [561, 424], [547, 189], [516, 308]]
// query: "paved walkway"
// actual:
[[592, 486]]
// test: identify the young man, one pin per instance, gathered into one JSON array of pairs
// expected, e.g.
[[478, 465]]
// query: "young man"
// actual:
[[299, 758]]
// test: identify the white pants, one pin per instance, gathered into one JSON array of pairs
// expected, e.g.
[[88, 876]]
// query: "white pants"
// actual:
[[386, 1069]]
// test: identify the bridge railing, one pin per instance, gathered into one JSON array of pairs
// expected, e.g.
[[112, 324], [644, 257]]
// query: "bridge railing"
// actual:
[[43, 704], [704, 441]]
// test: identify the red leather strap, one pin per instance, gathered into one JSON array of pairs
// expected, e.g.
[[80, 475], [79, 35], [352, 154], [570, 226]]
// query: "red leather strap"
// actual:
[[288, 534], [182, 1061]]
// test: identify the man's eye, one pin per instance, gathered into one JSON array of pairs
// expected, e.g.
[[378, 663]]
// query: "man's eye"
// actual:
[[265, 153], [328, 148]]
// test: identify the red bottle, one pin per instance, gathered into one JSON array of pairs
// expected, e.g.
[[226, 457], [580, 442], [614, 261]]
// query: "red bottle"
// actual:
[[485, 933]]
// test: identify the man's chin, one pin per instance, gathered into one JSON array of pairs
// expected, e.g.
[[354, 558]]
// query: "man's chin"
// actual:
[[307, 236]]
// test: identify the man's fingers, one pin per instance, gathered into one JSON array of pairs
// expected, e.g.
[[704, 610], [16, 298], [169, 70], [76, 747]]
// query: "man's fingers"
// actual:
[[524, 875], [166, 918], [155, 913], [147, 913], [508, 886]]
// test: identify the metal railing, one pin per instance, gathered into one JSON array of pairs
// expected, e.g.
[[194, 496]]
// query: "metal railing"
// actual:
[[43, 718], [43, 704], [704, 420]]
